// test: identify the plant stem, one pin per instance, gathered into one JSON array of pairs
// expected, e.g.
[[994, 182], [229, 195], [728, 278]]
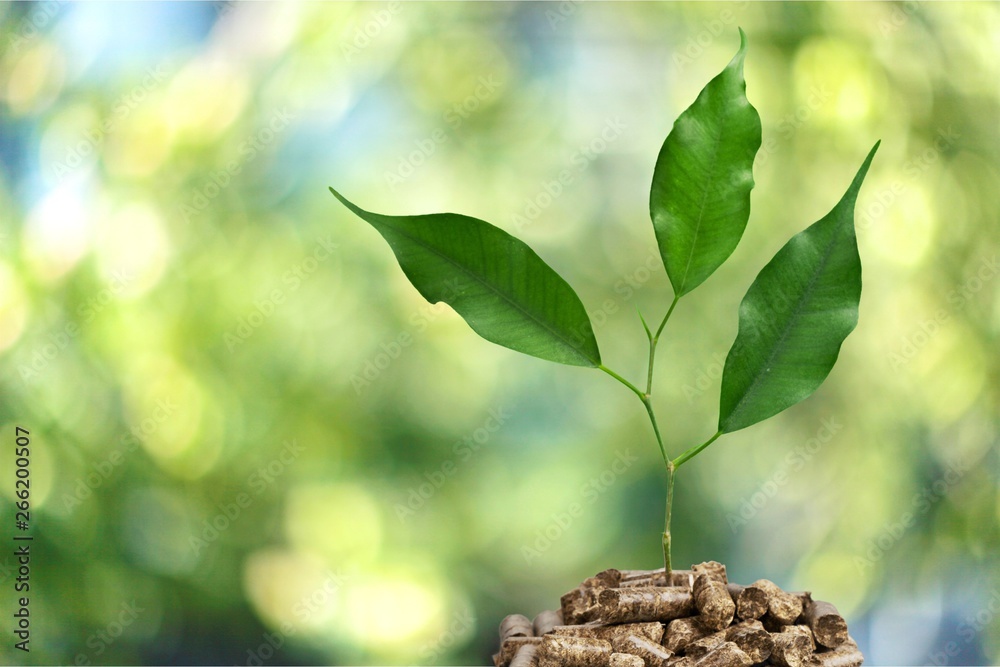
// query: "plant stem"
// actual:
[[666, 317], [666, 522], [646, 398], [653, 340], [680, 460], [642, 396], [656, 429]]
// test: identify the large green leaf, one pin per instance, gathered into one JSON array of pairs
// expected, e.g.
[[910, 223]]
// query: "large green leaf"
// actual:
[[700, 198], [794, 318], [506, 293]]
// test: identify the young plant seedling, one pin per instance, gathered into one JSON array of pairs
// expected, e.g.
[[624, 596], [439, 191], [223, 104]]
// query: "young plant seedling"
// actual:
[[792, 321]]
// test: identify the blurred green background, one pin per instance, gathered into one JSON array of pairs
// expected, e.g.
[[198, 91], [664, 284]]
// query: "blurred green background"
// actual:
[[254, 443]]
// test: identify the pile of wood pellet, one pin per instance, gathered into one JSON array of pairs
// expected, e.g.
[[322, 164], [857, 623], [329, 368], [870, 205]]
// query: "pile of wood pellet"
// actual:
[[633, 618]]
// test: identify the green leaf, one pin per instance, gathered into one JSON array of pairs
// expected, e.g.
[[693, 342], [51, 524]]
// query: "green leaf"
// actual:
[[700, 198], [794, 318], [506, 293]]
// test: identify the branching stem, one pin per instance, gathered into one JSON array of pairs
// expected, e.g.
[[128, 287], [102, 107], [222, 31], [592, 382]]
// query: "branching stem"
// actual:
[[647, 400], [642, 396], [680, 460]]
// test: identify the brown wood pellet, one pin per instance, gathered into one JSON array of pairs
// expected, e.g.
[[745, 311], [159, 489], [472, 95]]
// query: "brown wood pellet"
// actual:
[[803, 630], [712, 599], [565, 651], [827, 624], [652, 653], [783, 607], [579, 605], [845, 655], [752, 639], [615, 634], [726, 654], [712, 570], [683, 631], [790, 649], [625, 660], [525, 656], [705, 645], [545, 621], [515, 625], [511, 646], [630, 619], [651, 603], [751, 603]]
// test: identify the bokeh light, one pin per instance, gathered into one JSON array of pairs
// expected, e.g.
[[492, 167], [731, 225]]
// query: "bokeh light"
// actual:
[[255, 443]]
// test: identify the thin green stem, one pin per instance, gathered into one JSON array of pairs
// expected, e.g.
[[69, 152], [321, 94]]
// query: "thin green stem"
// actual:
[[649, 409], [691, 453], [666, 317], [666, 524], [636, 390], [653, 340], [656, 429], [646, 398]]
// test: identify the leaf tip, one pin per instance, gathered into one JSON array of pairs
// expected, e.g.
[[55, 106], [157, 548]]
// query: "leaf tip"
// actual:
[[343, 200], [863, 171], [871, 153], [741, 54]]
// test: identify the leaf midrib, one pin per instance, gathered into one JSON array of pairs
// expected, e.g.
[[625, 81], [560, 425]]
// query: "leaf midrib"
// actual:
[[701, 209], [778, 345], [499, 293]]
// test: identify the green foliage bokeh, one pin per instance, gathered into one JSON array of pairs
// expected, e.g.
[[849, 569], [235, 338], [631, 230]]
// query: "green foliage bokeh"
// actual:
[[250, 431]]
